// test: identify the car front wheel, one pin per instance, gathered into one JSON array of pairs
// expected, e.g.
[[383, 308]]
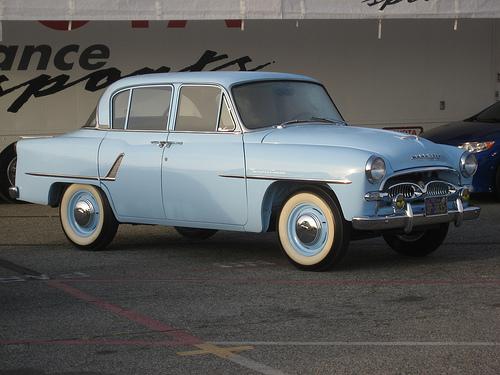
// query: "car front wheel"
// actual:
[[87, 218], [418, 244], [312, 231]]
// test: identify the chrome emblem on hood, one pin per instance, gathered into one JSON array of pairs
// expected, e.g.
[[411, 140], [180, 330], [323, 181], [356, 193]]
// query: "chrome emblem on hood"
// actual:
[[426, 157]]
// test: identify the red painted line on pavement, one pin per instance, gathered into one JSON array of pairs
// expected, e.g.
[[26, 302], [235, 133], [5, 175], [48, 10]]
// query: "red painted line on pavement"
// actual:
[[303, 282], [91, 342], [152, 324]]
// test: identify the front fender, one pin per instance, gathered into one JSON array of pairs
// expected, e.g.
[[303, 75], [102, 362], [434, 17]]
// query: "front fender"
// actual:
[[341, 168]]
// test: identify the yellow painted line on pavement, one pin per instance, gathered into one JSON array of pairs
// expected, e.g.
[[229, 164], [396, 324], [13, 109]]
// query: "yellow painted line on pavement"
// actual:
[[221, 352]]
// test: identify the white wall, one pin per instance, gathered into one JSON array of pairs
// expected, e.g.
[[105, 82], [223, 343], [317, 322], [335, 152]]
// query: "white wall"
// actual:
[[398, 80]]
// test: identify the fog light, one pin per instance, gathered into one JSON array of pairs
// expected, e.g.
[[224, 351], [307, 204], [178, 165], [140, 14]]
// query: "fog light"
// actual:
[[399, 202], [465, 194]]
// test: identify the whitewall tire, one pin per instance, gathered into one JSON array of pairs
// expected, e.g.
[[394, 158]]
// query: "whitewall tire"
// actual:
[[86, 217], [312, 231]]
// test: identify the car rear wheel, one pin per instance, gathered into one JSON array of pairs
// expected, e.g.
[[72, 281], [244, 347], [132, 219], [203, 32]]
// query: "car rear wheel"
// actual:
[[312, 231], [87, 218], [8, 162], [418, 244], [195, 233]]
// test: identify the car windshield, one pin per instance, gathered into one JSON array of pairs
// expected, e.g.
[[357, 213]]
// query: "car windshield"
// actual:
[[490, 114], [92, 121], [268, 103]]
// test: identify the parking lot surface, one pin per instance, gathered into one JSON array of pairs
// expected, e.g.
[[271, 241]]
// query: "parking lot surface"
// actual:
[[156, 303]]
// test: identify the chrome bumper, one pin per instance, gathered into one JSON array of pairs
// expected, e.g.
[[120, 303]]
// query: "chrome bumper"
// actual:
[[407, 220], [14, 192]]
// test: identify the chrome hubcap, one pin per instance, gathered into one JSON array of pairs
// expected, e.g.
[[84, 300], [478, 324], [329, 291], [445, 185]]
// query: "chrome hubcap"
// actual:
[[308, 228], [84, 211], [11, 171]]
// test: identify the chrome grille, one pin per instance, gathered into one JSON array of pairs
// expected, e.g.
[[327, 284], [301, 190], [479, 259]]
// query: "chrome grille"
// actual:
[[411, 190], [408, 190], [437, 188]]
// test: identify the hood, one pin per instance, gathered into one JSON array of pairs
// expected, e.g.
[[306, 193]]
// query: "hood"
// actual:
[[457, 133], [396, 148]]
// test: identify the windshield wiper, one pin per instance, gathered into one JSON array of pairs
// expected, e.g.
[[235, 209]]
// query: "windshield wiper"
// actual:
[[324, 119], [312, 119], [295, 121]]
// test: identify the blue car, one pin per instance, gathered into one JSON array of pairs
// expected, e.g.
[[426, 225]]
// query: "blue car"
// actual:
[[480, 135], [245, 151]]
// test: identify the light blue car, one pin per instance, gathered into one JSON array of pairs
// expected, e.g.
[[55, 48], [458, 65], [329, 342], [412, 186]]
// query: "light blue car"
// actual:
[[245, 151]]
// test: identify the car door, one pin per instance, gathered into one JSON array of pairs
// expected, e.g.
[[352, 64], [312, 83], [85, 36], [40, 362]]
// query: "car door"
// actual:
[[130, 155], [204, 148]]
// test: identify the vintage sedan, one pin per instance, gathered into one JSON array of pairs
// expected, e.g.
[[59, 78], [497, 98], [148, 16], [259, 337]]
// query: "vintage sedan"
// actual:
[[245, 151]]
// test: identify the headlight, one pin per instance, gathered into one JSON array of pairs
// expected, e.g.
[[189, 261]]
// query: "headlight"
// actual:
[[477, 146], [468, 164], [375, 169]]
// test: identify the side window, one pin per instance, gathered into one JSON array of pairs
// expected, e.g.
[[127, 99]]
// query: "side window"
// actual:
[[226, 123], [198, 108], [120, 104], [149, 108]]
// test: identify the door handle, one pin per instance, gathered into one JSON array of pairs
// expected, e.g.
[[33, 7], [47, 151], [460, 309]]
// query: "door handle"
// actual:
[[160, 144], [171, 143]]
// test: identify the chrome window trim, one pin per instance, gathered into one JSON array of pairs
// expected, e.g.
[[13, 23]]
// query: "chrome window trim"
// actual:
[[131, 88], [415, 170], [224, 92], [127, 114], [219, 111]]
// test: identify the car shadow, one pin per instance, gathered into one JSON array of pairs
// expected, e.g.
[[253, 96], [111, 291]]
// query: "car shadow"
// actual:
[[372, 254]]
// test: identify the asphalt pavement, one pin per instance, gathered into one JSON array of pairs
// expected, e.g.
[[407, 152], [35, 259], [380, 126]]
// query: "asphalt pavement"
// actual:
[[156, 303]]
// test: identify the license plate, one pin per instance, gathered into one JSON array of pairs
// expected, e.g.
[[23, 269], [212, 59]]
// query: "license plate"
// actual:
[[436, 206]]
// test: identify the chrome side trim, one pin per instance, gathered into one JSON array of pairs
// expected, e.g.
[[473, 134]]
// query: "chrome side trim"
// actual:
[[111, 176], [281, 178], [62, 176]]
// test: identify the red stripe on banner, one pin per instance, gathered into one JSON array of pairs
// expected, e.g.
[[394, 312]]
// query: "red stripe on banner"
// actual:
[[140, 24], [177, 24], [63, 25], [233, 23]]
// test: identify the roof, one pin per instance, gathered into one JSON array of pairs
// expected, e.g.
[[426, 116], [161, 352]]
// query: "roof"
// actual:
[[224, 78]]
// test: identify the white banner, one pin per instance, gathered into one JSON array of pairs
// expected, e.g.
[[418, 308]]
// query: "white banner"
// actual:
[[244, 9]]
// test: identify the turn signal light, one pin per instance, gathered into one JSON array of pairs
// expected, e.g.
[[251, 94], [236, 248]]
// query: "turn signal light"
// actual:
[[465, 194]]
